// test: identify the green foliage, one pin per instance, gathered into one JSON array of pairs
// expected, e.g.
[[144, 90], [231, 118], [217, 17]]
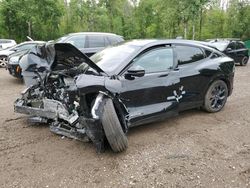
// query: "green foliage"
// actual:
[[192, 19], [39, 19]]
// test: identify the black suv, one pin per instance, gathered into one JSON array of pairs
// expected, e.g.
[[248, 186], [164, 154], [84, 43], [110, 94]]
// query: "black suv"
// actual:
[[233, 48], [90, 42]]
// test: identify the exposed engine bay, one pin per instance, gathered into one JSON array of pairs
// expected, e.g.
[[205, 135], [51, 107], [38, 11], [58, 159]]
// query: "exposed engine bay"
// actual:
[[55, 100]]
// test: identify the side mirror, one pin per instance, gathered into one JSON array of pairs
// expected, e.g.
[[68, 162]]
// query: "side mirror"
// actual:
[[229, 49], [135, 71]]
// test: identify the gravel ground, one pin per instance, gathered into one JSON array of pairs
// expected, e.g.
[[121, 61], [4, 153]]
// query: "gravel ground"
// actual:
[[195, 149]]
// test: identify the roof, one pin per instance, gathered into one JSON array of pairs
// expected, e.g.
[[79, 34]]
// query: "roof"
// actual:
[[7, 40], [152, 42], [33, 42], [93, 33]]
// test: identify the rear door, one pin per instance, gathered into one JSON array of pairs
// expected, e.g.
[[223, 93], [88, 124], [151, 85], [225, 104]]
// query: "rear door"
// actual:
[[231, 50], [191, 81], [155, 95], [240, 51]]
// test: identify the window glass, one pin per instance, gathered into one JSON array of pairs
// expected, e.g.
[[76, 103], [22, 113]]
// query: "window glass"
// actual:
[[111, 58], [156, 60], [78, 41], [215, 55], [239, 45], [113, 39], [25, 47], [5, 41], [96, 41], [188, 54], [231, 45], [208, 53]]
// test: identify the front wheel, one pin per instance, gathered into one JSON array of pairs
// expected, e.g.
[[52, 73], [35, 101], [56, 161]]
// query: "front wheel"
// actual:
[[244, 61], [112, 127], [216, 96], [3, 61]]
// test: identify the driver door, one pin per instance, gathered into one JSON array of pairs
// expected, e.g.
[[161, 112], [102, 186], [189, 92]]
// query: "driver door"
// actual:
[[151, 96]]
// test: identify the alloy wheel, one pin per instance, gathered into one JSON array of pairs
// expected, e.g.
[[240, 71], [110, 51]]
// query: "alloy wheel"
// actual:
[[218, 96], [3, 61], [244, 61]]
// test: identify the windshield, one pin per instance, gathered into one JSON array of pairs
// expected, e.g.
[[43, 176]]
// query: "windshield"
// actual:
[[219, 45], [111, 58]]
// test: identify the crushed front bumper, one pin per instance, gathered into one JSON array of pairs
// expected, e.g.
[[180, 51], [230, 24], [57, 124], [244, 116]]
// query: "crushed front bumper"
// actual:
[[50, 109], [63, 123]]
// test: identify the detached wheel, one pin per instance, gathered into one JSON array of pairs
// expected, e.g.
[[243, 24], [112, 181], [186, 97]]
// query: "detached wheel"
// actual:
[[244, 61], [3, 61], [112, 127], [216, 96]]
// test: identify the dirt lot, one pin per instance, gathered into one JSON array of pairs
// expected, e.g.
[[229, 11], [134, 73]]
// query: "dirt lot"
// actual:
[[195, 149]]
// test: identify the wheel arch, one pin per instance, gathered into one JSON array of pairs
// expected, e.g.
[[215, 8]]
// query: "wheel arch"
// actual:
[[215, 78], [120, 108]]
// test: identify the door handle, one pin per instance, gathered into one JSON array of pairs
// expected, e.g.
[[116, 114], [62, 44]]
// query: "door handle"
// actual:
[[176, 69], [163, 75]]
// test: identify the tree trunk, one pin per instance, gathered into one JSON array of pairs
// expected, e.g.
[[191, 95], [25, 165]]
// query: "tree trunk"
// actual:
[[193, 31], [185, 30], [200, 33], [29, 28]]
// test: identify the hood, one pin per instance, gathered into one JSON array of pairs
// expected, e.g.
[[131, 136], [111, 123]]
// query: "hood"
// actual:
[[65, 51], [6, 52], [18, 53], [50, 55]]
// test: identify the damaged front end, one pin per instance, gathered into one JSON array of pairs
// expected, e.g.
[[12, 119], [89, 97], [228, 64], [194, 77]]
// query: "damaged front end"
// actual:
[[65, 118], [55, 98]]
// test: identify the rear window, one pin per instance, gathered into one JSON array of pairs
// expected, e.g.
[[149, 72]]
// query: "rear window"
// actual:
[[114, 39], [78, 41], [95, 41], [188, 54], [5, 41], [239, 45]]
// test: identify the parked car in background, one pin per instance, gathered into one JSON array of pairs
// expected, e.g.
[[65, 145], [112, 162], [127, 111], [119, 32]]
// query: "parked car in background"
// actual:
[[13, 59], [233, 48], [20, 47], [90, 42], [6, 43], [122, 86]]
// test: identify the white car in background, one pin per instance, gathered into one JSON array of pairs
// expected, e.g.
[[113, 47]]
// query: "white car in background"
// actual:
[[6, 43], [20, 47]]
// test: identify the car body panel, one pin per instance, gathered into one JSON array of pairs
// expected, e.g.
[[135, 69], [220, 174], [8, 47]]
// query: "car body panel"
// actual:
[[14, 58]]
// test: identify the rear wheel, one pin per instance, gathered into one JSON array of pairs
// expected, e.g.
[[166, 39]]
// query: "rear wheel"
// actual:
[[244, 61], [216, 96], [112, 127]]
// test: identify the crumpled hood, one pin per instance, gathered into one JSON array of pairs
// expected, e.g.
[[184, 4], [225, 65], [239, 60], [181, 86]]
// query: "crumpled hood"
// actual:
[[50, 54]]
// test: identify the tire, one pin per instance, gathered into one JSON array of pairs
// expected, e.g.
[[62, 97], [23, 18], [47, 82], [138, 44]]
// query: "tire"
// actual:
[[112, 127], [244, 61], [216, 96], [3, 61]]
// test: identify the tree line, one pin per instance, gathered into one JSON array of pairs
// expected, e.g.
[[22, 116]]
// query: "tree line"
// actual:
[[190, 19]]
